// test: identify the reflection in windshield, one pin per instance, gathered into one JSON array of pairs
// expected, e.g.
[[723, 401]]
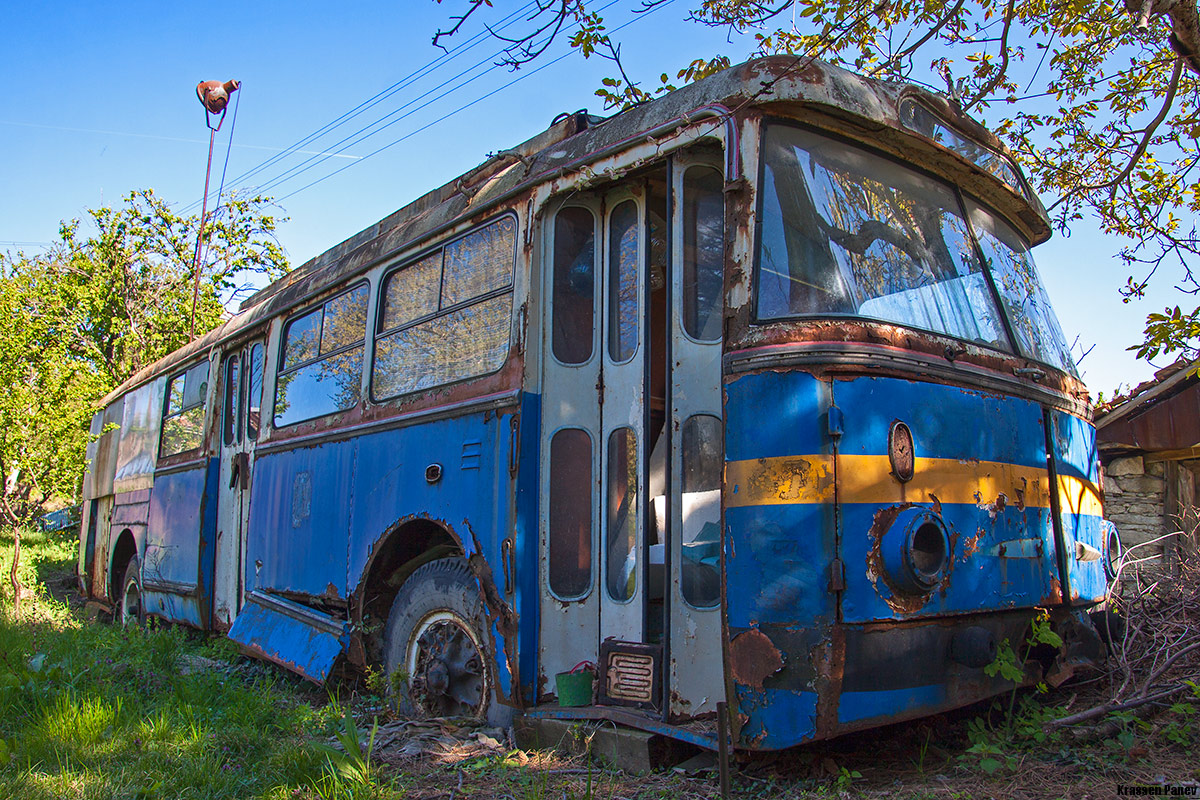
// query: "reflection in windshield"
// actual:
[[847, 232], [1025, 301]]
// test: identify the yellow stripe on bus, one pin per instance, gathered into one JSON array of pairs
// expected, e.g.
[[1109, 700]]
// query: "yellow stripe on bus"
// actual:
[[791, 480]]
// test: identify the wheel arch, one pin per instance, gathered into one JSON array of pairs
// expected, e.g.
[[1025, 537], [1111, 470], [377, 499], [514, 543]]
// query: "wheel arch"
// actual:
[[408, 545], [123, 550]]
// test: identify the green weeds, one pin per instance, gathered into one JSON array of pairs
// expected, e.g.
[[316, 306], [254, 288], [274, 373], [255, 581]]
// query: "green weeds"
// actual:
[[96, 711]]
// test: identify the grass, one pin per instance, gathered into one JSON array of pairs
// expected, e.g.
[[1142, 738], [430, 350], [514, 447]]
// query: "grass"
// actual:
[[93, 711], [90, 710]]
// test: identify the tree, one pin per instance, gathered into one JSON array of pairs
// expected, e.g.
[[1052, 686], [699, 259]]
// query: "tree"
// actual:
[[1097, 99], [94, 309]]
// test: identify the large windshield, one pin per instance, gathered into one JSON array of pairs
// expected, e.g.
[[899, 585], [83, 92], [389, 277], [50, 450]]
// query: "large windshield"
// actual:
[[846, 232]]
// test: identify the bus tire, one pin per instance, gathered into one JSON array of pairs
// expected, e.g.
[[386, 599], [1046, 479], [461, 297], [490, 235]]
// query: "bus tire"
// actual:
[[130, 610], [433, 648]]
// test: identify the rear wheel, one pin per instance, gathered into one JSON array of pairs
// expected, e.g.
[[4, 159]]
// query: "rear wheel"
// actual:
[[434, 651], [129, 604]]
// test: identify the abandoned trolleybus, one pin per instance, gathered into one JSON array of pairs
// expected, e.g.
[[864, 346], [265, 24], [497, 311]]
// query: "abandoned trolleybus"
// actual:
[[746, 395]]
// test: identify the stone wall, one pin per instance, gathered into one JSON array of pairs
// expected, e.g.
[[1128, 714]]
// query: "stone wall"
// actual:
[[1135, 499]]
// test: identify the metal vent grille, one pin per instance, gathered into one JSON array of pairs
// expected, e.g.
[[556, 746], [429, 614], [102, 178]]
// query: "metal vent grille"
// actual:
[[630, 674], [630, 677]]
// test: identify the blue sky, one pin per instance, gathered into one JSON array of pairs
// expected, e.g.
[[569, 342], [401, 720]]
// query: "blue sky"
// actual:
[[100, 101]]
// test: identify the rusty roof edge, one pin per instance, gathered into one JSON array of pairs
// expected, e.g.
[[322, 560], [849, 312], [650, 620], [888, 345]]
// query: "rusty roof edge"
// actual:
[[1131, 405], [238, 323], [758, 80]]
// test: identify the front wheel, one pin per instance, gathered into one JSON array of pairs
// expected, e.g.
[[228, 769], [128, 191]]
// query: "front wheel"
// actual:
[[129, 606], [433, 649]]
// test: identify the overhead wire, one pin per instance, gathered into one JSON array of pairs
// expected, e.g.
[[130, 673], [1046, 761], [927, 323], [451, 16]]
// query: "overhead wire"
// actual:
[[381, 124], [281, 179], [379, 97]]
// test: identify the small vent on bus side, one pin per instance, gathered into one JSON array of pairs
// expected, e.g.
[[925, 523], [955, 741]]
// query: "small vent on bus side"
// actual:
[[630, 674]]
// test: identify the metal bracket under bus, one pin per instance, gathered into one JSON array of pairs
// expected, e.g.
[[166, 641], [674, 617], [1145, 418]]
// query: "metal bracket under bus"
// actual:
[[289, 634]]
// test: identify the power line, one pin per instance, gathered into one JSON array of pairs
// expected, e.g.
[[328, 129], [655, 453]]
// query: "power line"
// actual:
[[379, 97], [464, 107], [362, 133]]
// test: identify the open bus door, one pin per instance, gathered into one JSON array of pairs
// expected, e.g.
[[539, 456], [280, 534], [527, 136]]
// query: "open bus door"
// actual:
[[241, 420], [632, 439]]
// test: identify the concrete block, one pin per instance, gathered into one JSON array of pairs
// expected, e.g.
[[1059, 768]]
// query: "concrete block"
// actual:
[[630, 750]]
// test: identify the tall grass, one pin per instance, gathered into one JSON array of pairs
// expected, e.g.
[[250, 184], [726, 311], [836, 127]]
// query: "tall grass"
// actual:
[[95, 711]]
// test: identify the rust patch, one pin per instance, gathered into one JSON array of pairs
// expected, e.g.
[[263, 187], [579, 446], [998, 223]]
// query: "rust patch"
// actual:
[[829, 662], [754, 658], [499, 613], [971, 546]]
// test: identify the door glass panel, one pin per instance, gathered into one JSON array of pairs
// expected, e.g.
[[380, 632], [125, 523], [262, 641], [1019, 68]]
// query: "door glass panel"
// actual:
[[574, 269], [570, 539], [701, 507], [622, 506], [254, 402], [623, 251], [703, 252], [230, 410]]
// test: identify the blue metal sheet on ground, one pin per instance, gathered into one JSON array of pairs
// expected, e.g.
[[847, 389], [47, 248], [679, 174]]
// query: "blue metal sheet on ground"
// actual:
[[1075, 460], [296, 638]]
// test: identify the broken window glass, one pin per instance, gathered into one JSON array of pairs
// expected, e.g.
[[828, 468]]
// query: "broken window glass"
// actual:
[[463, 344], [622, 514], [480, 262], [624, 253], [703, 252], [847, 232], [183, 422]]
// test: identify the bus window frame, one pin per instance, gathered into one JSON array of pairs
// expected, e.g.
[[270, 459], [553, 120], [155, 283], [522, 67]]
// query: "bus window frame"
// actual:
[[379, 332], [1016, 351], [187, 453], [282, 352]]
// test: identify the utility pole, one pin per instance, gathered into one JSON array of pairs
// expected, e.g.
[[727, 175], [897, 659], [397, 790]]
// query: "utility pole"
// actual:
[[214, 96]]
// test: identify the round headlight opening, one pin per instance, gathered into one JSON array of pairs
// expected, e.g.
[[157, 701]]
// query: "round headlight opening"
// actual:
[[927, 553]]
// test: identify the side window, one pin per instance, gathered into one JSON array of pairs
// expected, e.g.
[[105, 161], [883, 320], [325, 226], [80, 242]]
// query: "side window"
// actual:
[[570, 518], [183, 416], [321, 371], [703, 252], [574, 270], [447, 317], [254, 401], [230, 413]]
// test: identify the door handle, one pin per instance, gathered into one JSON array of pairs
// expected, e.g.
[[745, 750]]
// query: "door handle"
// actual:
[[239, 471]]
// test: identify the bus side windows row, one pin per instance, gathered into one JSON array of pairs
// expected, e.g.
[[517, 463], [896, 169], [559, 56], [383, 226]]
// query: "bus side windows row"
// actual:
[[446, 317], [183, 415], [321, 369]]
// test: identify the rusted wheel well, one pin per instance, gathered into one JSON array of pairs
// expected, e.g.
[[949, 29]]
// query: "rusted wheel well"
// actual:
[[396, 557], [124, 550]]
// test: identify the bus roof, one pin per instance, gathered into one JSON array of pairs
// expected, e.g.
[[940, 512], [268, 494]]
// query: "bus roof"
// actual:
[[850, 104]]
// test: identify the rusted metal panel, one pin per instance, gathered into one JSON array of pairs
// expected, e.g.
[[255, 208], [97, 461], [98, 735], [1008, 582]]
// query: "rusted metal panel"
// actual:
[[980, 476], [291, 635], [137, 451], [1080, 508]]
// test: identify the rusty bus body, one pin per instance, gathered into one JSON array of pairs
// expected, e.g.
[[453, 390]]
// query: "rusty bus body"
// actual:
[[746, 395]]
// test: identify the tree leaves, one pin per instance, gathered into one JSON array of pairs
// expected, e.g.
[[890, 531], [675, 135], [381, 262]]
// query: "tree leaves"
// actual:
[[94, 309]]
